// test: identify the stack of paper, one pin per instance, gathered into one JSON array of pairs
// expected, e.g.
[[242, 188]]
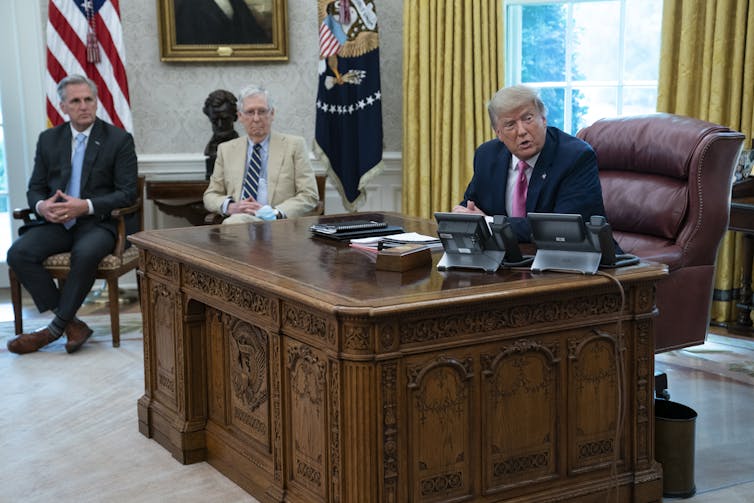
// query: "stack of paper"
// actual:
[[402, 238]]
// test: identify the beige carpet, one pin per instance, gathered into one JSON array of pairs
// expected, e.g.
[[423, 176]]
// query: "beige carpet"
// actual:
[[69, 430], [725, 356]]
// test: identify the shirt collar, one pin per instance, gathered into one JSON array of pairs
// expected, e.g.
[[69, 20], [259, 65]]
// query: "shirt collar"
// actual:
[[86, 132], [531, 162], [264, 143]]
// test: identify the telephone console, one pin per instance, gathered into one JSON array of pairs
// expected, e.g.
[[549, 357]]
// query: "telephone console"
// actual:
[[601, 235], [471, 242], [564, 242]]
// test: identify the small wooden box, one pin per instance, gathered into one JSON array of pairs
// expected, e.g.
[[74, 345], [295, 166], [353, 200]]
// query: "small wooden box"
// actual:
[[404, 257]]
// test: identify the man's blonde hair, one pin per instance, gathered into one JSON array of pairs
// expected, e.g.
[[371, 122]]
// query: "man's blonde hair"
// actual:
[[510, 98]]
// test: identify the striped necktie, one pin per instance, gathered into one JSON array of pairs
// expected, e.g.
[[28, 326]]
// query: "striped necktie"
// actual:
[[251, 180]]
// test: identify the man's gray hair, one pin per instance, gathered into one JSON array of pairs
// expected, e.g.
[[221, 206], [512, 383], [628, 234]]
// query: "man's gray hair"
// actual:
[[75, 79], [254, 91], [510, 98]]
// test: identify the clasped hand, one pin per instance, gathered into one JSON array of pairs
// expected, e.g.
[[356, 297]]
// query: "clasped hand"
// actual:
[[249, 206], [61, 207], [252, 207]]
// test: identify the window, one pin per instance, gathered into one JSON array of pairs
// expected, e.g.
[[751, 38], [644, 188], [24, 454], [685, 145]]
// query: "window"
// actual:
[[4, 215], [589, 58]]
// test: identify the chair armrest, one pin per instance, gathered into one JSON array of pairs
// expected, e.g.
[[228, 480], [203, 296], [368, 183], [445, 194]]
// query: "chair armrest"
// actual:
[[213, 218], [24, 214], [119, 214]]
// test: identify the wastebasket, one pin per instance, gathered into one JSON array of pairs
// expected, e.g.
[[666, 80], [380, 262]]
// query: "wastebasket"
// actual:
[[675, 427]]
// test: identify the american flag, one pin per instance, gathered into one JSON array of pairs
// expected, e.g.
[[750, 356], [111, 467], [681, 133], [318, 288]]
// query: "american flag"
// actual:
[[85, 37], [328, 41]]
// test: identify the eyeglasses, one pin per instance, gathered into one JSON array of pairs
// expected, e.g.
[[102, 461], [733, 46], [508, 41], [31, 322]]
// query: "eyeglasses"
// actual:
[[259, 112]]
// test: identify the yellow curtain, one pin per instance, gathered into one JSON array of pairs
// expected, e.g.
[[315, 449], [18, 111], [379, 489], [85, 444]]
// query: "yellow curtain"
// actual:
[[707, 72], [452, 65]]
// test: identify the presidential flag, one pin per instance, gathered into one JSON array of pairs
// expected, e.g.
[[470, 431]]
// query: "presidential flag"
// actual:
[[85, 37], [348, 133]]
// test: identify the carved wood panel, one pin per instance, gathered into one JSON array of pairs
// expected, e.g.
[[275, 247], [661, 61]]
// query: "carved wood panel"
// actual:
[[595, 412], [521, 388], [441, 428], [308, 445]]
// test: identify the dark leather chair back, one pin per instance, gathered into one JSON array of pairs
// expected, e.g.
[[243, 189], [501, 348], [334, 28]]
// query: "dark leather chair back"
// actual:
[[666, 182]]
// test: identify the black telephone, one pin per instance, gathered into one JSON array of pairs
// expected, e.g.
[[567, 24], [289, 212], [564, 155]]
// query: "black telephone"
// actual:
[[505, 239], [601, 236]]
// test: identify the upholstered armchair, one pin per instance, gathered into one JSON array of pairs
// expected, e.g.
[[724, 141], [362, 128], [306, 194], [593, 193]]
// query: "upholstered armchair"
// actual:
[[666, 182]]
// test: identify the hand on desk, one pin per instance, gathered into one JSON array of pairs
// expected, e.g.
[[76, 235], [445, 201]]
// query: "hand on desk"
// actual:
[[469, 208]]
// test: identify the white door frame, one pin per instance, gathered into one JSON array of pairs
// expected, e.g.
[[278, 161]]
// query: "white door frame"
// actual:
[[22, 71]]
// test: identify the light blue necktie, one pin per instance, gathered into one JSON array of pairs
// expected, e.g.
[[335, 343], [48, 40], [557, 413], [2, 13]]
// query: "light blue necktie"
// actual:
[[74, 184]]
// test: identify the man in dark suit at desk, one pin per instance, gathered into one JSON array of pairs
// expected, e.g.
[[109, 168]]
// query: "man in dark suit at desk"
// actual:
[[530, 167], [83, 169]]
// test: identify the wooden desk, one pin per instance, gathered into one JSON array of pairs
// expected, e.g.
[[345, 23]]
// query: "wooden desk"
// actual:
[[298, 370], [742, 220], [179, 198]]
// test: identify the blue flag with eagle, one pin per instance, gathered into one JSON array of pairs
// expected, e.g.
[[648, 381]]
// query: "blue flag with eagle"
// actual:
[[348, 132]]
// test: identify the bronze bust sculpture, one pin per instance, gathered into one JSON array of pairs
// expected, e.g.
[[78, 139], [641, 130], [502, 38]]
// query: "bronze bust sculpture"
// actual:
[[220, 107]]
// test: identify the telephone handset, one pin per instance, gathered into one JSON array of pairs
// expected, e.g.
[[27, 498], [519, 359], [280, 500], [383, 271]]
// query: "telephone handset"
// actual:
[[505, 239], [601, 236]]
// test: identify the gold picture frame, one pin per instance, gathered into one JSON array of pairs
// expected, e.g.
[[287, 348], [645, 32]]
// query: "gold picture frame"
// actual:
[[210, 31]]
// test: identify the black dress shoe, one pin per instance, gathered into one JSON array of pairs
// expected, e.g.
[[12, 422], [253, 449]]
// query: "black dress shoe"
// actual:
[[77, 332], [28, 343]]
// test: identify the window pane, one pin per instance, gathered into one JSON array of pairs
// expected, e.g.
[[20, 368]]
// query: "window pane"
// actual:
[[642, 44], [543, 43], [603, 102], [595, 47], [639, 100], [554, 100]]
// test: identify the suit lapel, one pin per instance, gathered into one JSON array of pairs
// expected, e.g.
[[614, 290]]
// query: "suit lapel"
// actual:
[[539, 173], [274, 164], [235, 165], [67, 157], [96, 138]]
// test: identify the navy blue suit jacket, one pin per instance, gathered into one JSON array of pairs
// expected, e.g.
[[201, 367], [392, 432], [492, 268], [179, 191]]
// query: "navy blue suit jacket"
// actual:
[[108, 175], [564, 180]]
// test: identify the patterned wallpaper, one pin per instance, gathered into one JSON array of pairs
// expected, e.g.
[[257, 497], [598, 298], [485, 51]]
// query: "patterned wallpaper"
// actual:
[[167, 98]]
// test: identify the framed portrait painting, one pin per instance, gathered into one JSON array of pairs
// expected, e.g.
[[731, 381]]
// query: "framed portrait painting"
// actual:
[[223, 30]]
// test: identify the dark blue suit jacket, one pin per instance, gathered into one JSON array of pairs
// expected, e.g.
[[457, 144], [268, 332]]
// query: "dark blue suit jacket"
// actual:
[[564, 180]]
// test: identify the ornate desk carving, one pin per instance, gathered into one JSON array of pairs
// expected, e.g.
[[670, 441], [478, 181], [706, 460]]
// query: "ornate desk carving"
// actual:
[[304, 374]]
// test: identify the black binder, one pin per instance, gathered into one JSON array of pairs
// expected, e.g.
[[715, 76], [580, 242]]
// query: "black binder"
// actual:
[[353, 229]]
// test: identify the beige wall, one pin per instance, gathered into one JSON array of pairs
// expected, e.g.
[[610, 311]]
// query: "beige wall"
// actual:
[[167, 98]]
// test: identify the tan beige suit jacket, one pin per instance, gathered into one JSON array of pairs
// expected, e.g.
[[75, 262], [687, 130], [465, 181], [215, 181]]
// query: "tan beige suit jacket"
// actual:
[[291, 184]]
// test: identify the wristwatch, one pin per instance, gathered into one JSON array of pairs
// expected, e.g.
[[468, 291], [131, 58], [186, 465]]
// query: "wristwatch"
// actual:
[[278, 214]]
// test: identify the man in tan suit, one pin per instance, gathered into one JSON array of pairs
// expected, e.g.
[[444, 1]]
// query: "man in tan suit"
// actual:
[[263, 175]]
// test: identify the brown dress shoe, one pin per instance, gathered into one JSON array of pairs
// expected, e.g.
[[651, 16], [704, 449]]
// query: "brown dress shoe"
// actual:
[[28, 343], [78, 332]]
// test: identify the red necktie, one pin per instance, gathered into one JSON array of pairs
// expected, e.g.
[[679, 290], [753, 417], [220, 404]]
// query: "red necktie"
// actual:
[[518, 208]]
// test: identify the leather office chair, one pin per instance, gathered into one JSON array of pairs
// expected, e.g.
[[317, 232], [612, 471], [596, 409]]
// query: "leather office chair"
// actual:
[[216, 218], [666, 182], [112, 267]]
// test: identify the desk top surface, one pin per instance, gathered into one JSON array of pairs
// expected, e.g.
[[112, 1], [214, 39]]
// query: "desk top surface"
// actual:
[[283, 257]]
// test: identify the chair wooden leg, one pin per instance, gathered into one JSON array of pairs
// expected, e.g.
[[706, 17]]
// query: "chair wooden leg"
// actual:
[[15, 298], [112, 298]]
